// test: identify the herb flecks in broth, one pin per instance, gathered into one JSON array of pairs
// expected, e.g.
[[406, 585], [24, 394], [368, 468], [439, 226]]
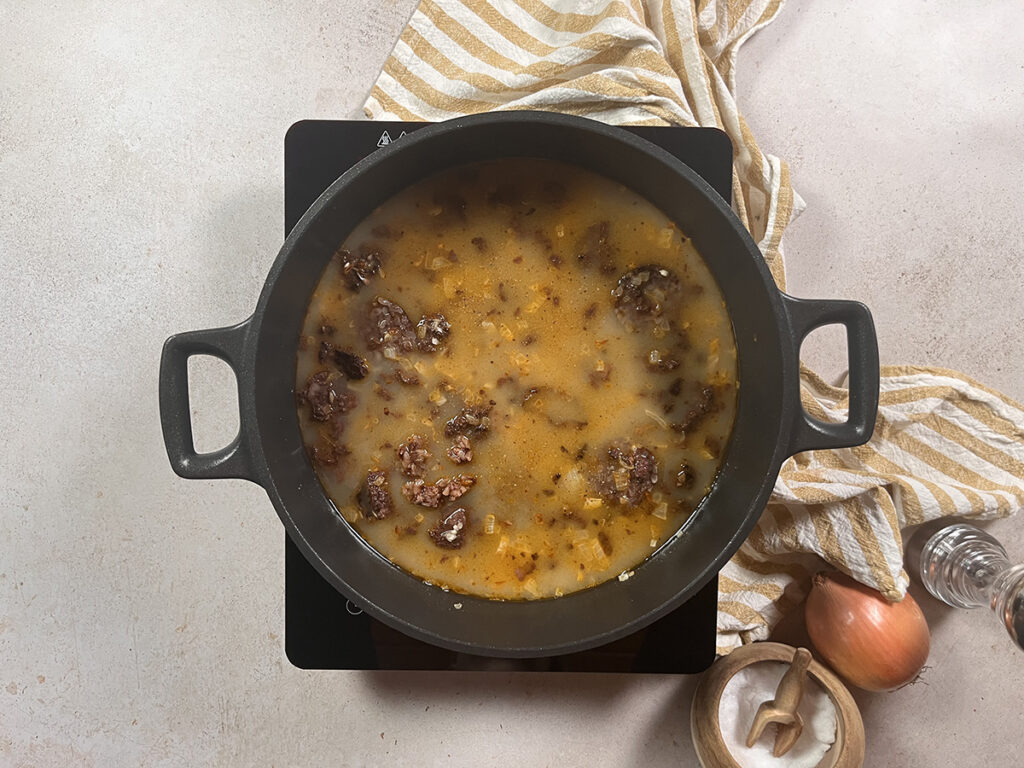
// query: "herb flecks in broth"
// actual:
[[516, 379]]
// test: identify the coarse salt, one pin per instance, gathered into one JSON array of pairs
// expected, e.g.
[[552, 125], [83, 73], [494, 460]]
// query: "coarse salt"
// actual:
[[745, 692]]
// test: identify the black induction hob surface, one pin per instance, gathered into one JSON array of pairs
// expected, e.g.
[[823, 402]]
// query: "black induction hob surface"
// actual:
[[324, 630]]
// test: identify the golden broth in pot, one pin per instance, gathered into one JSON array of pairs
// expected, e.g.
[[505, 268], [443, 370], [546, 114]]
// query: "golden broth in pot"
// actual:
[[516, 379]]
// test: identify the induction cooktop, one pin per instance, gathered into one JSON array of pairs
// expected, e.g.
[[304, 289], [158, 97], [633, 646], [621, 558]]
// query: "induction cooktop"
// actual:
[[326, 630]]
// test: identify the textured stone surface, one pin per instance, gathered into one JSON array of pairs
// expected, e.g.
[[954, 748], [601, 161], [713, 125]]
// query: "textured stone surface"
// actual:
[[140, 161]]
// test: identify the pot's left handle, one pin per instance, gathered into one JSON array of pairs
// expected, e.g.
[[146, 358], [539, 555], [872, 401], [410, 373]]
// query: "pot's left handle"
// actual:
[[233, 460], [862, 348]]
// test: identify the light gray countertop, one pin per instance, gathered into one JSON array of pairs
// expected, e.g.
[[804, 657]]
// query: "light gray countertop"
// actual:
[[141, 187]]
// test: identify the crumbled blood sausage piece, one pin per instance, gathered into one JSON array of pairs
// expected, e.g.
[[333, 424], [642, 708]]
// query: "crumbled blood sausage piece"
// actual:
[[593, 248], [642, 294], [480, 243], [453, 487], [695, 415], [390, 327], [685, 476], [643, 474], [606, 543], [461, 451], [474, 419], [378, 503], [414, 455], [418, 492], [409, 379], [349, 363], [658, 363], [326, 352], [597, 378], [643, 477], [344, 401], [431, 332], [450, 531], [324, 454], [325, 397], [356, 271]]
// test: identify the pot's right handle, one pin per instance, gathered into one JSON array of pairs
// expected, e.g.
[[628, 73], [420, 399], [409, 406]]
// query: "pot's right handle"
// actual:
[[232, 461], [862, 348]]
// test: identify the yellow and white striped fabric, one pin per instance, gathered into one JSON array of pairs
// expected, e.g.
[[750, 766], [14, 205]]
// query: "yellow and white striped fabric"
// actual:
[[943, 444]]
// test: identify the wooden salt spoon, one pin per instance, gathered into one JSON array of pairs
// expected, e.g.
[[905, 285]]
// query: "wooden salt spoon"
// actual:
[[782, 709]]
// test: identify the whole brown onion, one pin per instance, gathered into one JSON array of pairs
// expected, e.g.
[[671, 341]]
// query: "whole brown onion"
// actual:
[[875, 644]]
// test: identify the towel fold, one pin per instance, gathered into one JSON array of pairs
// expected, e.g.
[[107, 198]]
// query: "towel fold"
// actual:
[[943, 444]]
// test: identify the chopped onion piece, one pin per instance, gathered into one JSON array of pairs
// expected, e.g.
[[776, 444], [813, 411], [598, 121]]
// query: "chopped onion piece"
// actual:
[[572, 481], [656, 418], [621, 478], [713, 355], [592, 502], [502, 546], [490, 524], [660, 510]]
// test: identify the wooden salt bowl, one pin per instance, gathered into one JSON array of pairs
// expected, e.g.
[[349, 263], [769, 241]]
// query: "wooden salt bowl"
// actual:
[[846, 752]]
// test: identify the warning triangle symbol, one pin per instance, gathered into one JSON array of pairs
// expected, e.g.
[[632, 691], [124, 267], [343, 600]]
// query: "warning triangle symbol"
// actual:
[[402, 134], [384, 140]]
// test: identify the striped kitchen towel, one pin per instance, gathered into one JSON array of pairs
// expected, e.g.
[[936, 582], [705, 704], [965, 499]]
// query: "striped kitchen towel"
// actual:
[[943, 444]]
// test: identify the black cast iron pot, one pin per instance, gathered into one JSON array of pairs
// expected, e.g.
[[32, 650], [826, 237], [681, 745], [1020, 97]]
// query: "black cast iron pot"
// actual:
[[770, 426]]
